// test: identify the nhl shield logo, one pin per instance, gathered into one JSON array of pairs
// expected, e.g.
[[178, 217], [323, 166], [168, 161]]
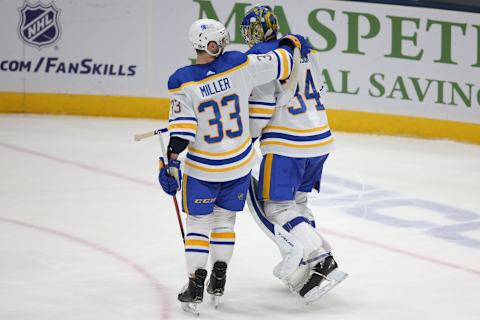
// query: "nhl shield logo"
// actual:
[[39, 25]]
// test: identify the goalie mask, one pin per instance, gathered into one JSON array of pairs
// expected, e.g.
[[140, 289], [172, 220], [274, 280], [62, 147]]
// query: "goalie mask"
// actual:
[[203, 31], [259, 24]]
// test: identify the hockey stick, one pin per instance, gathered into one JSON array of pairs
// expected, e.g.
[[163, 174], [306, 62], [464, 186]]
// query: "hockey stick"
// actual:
[[175, 201], [141, 136]]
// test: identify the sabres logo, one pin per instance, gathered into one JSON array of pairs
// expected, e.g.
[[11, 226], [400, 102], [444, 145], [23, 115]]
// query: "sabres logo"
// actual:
[[39, 25]]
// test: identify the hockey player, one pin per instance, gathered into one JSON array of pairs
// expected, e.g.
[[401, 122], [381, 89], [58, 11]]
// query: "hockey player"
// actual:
[[209, 115], [295, 140]]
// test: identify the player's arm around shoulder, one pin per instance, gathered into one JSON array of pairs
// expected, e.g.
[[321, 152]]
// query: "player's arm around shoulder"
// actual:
[[276, 64], [266, 67]]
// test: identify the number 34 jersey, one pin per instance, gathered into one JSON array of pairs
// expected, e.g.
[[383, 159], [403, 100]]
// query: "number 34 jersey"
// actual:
[[300, 127], [209, 107]]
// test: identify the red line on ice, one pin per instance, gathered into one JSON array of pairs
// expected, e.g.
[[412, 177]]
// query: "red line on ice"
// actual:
[[401, 251], [76, 164], [338, 234], [161, 290]]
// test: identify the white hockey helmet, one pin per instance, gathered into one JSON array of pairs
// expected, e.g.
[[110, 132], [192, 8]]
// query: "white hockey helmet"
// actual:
[[205, 30]]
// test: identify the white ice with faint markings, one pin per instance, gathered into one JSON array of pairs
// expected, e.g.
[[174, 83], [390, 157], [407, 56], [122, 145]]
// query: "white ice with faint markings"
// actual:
[[86, 232]]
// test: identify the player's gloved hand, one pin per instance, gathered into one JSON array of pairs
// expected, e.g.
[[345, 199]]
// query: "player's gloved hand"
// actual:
[[170, 176], [299, 41]]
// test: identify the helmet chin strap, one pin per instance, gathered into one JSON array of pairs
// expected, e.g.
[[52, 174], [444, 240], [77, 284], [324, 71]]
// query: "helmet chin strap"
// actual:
[[220, 51], [212, 54]]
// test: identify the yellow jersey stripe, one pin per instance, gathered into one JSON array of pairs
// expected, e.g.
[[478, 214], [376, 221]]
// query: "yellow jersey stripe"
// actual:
[[223, 235], [261, 110], [239, 165], [267, 174], [285, 64], [183, 126], [201, 243], [209, 78], [184, 194], [295, 145], [224, 153], [295, 40], [296, 130]]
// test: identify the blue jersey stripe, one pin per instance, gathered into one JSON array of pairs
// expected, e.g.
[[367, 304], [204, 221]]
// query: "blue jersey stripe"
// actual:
[[224, 243], [262, 103], [260, 118], [183, 118], [278, 64], [295, 138], [197, 250], [223, 161], [197, 235]]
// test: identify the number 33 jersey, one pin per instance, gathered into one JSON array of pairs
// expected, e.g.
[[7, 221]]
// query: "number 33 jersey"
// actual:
[[209, 107]]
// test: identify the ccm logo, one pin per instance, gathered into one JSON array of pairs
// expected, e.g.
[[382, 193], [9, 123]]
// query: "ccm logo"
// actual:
[[205, 201]]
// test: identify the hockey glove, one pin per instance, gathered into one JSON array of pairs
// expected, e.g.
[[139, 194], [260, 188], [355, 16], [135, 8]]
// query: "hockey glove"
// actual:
[[170, 176], [299, 41]]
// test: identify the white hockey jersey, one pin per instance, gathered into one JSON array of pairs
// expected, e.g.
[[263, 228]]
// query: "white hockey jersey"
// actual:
[[209, 107], [300, 128]]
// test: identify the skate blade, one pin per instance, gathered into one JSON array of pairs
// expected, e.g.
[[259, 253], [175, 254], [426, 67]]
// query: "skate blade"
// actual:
[[190, 307], [330, 282], [215, 300]]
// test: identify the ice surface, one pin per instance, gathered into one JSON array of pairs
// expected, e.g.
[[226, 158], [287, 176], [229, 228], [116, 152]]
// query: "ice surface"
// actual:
[[86, 232]]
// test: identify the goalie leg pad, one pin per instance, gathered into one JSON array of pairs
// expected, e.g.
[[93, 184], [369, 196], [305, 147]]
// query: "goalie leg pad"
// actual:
[[301, 200], [286, 214], [290, 248], [292, 253]]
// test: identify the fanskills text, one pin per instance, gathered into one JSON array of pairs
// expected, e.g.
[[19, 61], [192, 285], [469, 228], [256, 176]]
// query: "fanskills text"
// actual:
[[54, 65]]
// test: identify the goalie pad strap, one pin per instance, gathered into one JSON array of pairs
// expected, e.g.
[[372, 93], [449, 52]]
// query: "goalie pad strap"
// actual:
[[294, 222]]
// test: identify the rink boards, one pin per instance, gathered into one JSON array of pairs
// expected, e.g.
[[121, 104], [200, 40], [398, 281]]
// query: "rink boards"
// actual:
[[387, 68]]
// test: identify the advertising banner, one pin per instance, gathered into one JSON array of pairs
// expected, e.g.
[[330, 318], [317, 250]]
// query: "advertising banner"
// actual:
[[384, 66]]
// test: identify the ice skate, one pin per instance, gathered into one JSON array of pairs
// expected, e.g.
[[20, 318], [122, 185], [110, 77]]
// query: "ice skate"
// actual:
[[192, 294], [216, 284], [323, 278]]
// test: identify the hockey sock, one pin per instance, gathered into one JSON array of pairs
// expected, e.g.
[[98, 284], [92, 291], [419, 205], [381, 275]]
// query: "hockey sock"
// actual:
[[222, 238], [197, 242], [222, 243]]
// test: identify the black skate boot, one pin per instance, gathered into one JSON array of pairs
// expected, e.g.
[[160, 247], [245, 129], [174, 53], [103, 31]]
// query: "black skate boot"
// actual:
[[216, 284], [324, 272], [192, 293]]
